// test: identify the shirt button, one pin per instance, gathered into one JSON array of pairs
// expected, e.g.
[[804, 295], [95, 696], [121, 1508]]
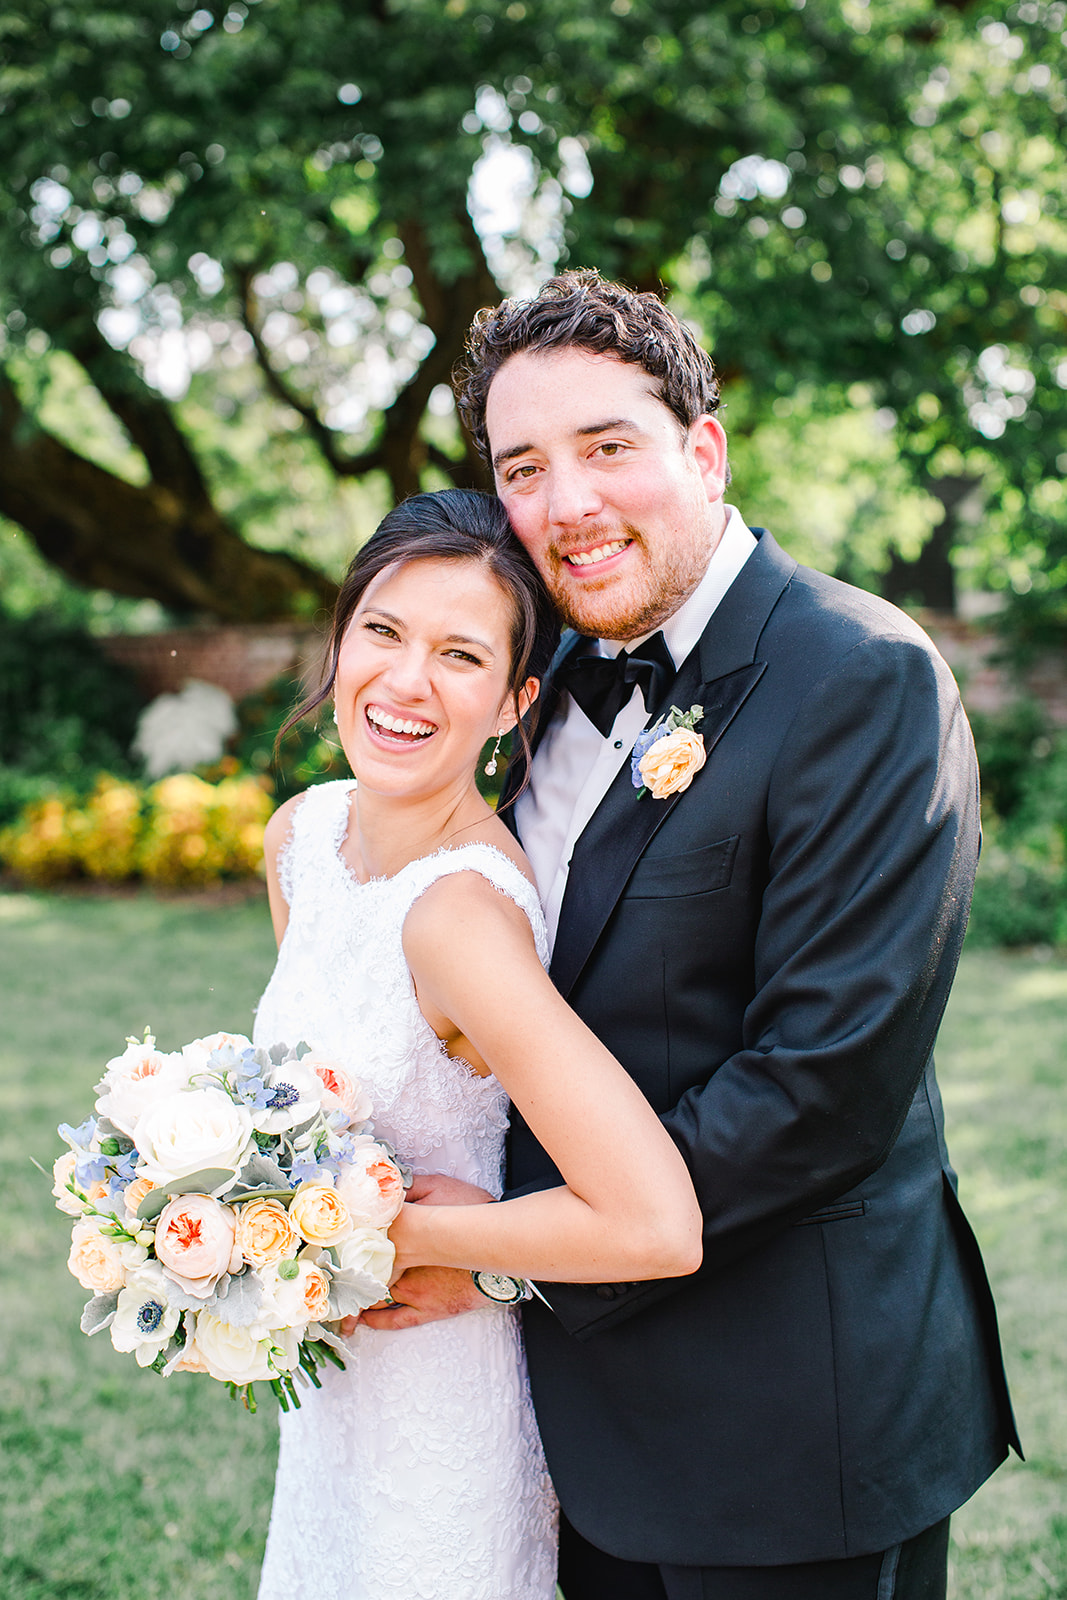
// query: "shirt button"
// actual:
[[618, 744], [606, 1291]]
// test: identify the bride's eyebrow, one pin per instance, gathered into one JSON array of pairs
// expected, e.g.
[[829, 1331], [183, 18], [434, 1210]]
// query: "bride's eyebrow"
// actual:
[[462, 638]]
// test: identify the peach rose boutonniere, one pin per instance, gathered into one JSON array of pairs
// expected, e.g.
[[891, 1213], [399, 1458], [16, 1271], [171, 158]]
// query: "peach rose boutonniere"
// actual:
[[668, 755]]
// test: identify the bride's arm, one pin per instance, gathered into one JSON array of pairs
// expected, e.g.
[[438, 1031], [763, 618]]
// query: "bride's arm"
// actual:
[[274, 836], [628, 1210]]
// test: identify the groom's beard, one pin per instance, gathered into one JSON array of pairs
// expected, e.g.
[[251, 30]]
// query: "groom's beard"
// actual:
[[625, 605]]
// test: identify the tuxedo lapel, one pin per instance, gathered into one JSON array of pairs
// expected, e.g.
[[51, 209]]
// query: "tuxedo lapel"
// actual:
[[718, 675]]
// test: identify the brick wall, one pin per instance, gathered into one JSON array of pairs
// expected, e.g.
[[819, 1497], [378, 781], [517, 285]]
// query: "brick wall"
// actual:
[[985, 683], [242, 659], [239, 658]]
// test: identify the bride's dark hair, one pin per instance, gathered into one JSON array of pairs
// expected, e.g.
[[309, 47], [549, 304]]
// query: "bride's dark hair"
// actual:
[[453, 525]]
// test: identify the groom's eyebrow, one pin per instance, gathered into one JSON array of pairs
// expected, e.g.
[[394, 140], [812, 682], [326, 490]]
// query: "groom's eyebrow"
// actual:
[[613, 425], [591, 429]]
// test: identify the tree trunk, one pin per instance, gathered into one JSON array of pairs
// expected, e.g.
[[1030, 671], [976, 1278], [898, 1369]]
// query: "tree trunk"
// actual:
[[930, 580], [143, 541]]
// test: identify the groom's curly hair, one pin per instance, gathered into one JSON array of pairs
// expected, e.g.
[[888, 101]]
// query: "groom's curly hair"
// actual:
[[581, 310]]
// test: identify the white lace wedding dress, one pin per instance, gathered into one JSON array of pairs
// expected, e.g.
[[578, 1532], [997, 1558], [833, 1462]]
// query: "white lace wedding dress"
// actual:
[[416, 1473]]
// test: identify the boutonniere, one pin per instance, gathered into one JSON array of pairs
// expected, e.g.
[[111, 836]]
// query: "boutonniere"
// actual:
[[668, 755]]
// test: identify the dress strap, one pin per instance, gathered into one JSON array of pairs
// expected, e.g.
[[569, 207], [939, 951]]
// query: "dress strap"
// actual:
[[492, 864], [317, 828]]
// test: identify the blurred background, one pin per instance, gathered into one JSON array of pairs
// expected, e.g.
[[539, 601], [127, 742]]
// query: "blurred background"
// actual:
[[240, 245], [239, 249]]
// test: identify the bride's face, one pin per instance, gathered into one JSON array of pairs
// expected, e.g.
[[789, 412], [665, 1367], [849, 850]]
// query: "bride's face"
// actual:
[[422, 676]]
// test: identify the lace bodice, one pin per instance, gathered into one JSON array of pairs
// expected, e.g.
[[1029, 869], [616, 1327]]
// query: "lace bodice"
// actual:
[[417, 1472], [342, 964]]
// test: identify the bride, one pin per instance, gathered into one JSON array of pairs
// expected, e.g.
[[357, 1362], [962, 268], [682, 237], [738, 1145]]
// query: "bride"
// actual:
[[412, 948]]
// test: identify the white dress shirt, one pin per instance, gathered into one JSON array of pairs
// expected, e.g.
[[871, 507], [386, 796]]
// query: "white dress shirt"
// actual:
[[575, 765]]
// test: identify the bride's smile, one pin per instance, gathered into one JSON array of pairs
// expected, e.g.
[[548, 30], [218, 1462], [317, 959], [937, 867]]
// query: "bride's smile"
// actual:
[[422, 677]]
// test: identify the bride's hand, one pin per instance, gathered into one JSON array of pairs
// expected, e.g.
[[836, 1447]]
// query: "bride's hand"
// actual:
[[409, 1228]]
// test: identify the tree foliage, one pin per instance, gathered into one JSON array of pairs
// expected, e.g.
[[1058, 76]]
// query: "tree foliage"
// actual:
[[260, 233]]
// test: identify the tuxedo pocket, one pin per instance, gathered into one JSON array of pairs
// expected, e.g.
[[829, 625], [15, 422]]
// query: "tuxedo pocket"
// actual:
[[688, 872]]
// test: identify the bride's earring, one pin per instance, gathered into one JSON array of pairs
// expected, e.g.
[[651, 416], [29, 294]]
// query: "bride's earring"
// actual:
[[490, 765]]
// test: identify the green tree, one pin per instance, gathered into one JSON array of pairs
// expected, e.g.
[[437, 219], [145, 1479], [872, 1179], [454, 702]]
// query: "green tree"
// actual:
[[251, 240]]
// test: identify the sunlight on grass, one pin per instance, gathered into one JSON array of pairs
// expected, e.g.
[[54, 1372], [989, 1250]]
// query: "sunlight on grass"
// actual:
[[118, 1485], [1001, 1061]]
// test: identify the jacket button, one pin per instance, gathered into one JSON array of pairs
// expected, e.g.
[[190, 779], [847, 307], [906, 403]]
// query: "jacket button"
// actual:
[[606, 1291]]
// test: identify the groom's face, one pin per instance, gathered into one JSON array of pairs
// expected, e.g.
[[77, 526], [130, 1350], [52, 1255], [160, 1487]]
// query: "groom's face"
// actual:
[[619, 506]]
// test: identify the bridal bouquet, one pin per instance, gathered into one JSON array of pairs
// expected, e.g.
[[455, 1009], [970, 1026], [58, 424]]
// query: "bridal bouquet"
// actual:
[[230, 1202]]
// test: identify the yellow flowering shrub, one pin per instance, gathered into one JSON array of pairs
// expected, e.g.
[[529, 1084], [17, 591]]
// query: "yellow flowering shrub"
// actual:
[[40, 847], [108, 830], [197, 832], [240, 812], [179, 833]]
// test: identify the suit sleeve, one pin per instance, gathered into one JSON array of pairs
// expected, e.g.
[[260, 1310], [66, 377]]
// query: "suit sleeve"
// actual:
[[871, 845]]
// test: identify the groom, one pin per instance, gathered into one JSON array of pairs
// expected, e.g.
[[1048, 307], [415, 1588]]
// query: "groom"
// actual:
[[768, 951]]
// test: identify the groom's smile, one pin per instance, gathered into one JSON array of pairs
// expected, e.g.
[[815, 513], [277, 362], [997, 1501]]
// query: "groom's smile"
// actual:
[[619, 506]]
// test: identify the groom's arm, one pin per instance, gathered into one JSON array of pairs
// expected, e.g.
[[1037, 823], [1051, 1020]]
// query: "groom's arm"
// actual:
[[872, 820]]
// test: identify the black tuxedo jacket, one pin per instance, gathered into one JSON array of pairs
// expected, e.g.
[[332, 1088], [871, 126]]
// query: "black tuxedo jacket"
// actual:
[[769, 955]]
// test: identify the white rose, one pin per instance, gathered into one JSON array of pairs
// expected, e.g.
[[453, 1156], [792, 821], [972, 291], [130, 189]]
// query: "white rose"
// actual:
[[370, 1185], [245, 1355], [136, 1080], [195, 1055], [193, 1131], [144, 1317], [370, 1252]]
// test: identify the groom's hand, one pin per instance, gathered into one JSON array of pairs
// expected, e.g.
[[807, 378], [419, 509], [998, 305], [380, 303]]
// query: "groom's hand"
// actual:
[[424, 1294], [436, 1189], [429, 1294]]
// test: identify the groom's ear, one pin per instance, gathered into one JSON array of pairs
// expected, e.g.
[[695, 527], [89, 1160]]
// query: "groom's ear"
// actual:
[[522, 701], [528, 694]]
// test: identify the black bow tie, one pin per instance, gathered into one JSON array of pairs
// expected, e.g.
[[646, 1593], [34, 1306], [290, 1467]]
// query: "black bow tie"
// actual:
[[602, 685]]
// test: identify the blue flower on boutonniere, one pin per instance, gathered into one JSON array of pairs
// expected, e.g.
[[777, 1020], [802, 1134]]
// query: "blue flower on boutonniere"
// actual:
[[668, 755]]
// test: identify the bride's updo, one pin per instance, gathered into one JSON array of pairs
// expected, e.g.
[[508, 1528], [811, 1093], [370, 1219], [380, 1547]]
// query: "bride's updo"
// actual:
[[453, 525]]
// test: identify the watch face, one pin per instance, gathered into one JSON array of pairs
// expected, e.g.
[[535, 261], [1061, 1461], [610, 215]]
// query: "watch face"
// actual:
[[498, 1287]]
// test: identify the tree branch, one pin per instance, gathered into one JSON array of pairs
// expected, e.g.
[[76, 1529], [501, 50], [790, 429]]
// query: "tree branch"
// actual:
[[140, 540], [323, 436]]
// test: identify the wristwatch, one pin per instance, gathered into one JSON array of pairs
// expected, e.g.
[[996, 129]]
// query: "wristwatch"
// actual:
[[503, 1290]]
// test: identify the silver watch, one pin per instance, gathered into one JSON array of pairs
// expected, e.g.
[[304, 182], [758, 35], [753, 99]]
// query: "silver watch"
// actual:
[[503, 1290]]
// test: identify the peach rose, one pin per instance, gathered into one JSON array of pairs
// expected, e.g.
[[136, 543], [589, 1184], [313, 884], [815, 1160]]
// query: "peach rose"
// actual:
[[302, 1299], [669, 766], [319, 1214], [264, 1233], [135, 1192], [136, 1080], [342, 1092], [63, 1173], [190, 1359], [100, 1263], [195, 1243], [371, 1186]]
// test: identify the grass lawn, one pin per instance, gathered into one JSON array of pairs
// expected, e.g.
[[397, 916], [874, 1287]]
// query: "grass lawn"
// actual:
[[117, 1485]]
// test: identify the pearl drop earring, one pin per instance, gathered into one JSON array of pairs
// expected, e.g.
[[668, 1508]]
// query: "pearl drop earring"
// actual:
[[490, 765]]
